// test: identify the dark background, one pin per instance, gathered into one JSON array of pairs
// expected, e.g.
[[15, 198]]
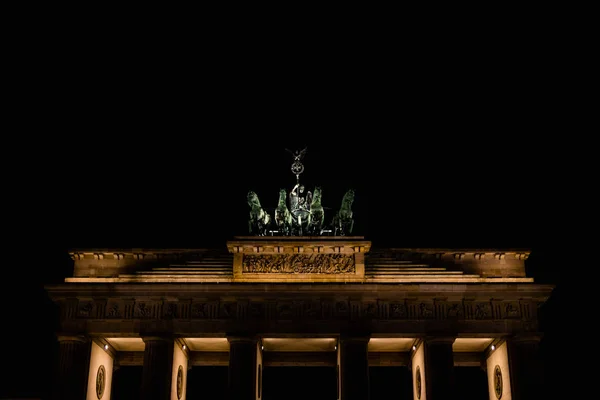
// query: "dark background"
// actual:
[[413, 189], [456, 139]]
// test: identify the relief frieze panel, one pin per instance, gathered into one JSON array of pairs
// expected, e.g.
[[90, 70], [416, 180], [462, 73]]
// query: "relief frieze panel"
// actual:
[[480, 310], [204, 309], [512, 310], [85, 309], [426, 310], [285, 310], [455, 310], [299, 264], [114, 309], [170, 310], [310, 309], [370, 310], [398, 310], [199, 311], [146, 310]]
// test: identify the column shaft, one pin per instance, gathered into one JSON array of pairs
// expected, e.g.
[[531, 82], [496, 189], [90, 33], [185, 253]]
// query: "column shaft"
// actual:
[[242, 368], [526, 368], [73, 367], [158, 364], [439, 366], [354, 368]]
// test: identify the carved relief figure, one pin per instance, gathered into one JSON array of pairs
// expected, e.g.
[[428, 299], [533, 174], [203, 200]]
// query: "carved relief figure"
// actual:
[[100, 381], [299, 264], [179, 382]]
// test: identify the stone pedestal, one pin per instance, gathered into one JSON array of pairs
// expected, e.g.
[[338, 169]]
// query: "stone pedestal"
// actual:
[[242, 382], [354, 368], [298, 259], [526, 367], [158, 364], [71, 378], [439, 368]]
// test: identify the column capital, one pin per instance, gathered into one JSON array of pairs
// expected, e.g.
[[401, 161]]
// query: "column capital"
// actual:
[[526, 338], [73, 338], [243, 339], [354, 339], [441, 339], [158, 338]]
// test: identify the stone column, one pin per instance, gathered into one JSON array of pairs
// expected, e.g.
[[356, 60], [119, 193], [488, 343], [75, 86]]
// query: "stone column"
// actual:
[[101, 371], [71, 378], [526, 367], [353, 368], [259, 372], [180, 371], [158, 364], [439, 368], [243, 368]]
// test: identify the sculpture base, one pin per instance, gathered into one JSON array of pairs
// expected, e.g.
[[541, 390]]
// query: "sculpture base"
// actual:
[[298, 259]]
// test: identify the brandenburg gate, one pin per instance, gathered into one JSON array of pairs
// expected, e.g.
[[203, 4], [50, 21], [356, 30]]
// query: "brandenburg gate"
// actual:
[[298, 289]]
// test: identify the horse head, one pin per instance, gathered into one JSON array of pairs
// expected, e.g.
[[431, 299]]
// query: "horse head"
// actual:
[[253, 199], [282, 197], [316, 197], [348, 199]]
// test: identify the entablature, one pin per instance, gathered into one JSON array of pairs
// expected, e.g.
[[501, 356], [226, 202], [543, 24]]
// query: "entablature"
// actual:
[[300, 259]]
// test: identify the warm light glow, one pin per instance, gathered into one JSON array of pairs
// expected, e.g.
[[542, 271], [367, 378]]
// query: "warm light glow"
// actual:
[[299, 344], [381, 344], [105, 347], [472, 345], [493, 347], [126, 343], [184, 347], [414, 347], [207, 343]]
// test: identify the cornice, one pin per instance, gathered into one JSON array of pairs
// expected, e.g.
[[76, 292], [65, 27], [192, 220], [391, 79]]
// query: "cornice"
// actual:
[[178, 290], [296, 245]]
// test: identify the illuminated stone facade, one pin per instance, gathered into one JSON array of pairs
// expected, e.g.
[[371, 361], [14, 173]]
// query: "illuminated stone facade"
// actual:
[[336, 301]]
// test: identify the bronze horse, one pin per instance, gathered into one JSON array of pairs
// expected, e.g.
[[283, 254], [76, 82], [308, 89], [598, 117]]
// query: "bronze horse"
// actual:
[[283, 216], [317, 214], [342, 220], [259, 219]]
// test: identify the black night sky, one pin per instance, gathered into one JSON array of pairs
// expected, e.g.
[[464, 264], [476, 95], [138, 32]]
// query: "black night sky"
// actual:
[[413, 189], [438, 156]]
